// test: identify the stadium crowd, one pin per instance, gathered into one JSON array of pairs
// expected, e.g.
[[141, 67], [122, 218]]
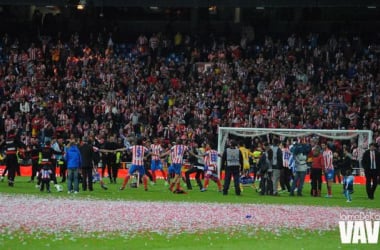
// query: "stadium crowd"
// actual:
[[185, 86], [182, 86]]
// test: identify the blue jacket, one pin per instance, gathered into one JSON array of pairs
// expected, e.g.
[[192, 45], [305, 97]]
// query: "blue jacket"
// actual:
[[73, 157]]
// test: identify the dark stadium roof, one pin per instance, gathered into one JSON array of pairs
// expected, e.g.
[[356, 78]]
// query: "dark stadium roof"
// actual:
[[203, 3]]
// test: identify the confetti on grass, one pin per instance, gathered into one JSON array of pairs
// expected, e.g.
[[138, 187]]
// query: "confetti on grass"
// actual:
[[31, 214]]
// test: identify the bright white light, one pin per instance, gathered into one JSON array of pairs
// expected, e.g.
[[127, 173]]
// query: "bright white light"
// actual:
[[81, 5]]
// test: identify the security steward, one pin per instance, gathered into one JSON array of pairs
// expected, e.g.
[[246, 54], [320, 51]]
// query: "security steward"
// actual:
[[33, 151], [232, 163], [12, 144]]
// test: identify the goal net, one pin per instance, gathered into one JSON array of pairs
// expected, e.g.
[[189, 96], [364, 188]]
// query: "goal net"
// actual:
[[362, 137]]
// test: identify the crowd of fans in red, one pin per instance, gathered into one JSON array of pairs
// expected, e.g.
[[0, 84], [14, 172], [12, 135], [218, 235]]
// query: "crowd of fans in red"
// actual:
[[185, 86]]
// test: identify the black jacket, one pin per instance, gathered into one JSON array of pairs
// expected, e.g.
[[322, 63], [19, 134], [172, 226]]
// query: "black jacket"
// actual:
[[87, 153], [366, 161]]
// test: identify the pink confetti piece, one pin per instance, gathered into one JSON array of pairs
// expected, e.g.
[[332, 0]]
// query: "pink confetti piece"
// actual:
[[32, 214]]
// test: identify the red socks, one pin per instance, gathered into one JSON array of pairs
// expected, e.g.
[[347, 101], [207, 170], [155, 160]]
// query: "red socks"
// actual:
[[126, 179]]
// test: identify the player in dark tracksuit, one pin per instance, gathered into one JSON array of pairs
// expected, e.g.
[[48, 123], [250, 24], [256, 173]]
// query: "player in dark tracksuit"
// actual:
[[34, 151], [197, 167]]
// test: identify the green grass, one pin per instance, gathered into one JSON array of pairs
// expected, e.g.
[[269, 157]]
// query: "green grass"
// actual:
[[244, 239], [160, 192], [203, 241]]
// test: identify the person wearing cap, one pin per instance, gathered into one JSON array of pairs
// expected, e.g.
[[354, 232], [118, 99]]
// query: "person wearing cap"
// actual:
[[371, 165], [232, 162]]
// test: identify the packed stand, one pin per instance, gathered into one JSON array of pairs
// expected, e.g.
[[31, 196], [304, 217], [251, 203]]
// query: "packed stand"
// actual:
[[184, 86]]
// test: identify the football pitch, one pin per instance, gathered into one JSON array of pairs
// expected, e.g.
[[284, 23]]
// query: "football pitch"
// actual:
[[158, 219]]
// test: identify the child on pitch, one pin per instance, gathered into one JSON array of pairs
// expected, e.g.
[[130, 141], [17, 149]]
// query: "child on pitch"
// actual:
[[348, 185], [45, 174]]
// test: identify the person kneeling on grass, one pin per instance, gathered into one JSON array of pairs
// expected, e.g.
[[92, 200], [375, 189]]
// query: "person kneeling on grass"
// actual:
[[139, 153]]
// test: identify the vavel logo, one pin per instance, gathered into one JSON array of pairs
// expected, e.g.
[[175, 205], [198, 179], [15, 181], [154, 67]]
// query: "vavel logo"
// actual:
[[361, 228]]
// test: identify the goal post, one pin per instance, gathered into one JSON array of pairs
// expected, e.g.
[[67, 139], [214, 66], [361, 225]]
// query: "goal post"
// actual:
[[364, 137]]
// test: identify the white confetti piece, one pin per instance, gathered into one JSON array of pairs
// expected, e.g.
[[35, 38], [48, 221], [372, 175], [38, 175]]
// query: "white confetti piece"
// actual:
[[59, 216]]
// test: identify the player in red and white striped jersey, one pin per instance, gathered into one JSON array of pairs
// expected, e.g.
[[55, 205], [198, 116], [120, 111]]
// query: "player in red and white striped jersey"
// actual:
[[211, 163], [176, 155], [139, 153], [156, 163], [328, 167]]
